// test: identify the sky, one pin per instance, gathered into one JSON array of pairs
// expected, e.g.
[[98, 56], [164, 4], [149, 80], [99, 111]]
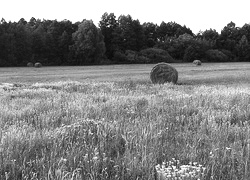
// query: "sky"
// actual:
[[198, 15]]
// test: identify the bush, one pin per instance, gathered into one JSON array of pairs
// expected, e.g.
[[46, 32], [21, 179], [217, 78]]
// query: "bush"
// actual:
[[38, 65], [214, 55], [143, 59], [193, 52], [30, 64], [156, 55], [131, 56], [105, 61], [134, 57], [119, 57], [229, 54]]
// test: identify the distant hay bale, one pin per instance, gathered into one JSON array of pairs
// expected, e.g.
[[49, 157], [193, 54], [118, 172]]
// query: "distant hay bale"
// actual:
[[163, 73], [38, 65], [197, 62], [30, 64]]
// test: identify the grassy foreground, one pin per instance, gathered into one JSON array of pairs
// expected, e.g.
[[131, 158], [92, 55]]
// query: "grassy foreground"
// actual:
[[123, 129]]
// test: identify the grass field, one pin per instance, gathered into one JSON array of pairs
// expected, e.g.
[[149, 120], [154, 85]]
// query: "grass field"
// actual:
[[110, 122], [210, 73]]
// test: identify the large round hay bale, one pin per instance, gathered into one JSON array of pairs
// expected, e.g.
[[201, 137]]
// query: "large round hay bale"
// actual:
[[163, 73], [197, 62], [37, 65], [30, 64]]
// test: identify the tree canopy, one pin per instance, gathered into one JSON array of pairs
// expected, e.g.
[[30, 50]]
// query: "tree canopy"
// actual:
[[116, 40]]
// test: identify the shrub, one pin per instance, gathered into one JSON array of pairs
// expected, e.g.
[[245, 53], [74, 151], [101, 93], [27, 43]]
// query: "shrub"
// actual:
[[156, 55], [214, 55], [105, 61], [163, 73], [193, 52], [131, 56], [229, 54], [30, 64], [119, 57], [38, 65], [143, 59], [197, 62]]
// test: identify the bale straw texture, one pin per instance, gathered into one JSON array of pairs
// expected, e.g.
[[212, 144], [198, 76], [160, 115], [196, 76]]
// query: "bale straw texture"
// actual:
[[163, 73], [197, 62], [30, 64], [37, 65]]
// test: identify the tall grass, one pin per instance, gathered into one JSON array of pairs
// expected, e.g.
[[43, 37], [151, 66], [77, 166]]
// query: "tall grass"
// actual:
[[122, 130]]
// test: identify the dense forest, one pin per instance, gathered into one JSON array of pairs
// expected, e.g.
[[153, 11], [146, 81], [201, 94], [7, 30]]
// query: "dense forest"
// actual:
[[116, 41]]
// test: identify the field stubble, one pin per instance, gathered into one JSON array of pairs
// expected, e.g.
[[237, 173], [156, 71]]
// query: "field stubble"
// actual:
[[208, 73], [121, 129]]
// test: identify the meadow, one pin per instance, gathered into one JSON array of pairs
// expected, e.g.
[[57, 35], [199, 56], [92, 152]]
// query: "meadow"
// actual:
[[111, 122]]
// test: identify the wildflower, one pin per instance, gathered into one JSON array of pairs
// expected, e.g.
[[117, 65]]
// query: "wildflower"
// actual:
[[211, 155], [85, 157], [62, 161], [95, 158], [157, 167], [159, 133], [163, 165], [169, 176]]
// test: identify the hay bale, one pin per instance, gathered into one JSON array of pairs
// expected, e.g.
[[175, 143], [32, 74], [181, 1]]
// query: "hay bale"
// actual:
[[163, 73], [37, 65], [30, 64], [197, 62]]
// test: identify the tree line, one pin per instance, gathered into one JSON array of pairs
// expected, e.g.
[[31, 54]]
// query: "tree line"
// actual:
[[117, 40]]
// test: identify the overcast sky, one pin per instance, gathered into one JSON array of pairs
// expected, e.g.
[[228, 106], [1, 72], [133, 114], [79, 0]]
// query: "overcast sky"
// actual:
[[195, 14]]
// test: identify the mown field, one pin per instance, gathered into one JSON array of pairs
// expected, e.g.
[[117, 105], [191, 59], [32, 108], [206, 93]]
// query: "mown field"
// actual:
[[111, 122], [210, 73]]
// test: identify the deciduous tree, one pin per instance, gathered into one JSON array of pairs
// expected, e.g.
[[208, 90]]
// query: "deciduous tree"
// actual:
[[107, 25], [88, 46]]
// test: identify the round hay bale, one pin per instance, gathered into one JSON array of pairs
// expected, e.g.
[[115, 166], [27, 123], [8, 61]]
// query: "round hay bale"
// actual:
[[37, 65], [163, 73], [30, 64], [197, 62]]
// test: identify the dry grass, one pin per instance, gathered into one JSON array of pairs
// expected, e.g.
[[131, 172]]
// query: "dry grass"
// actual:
[[123, 129], [110, 130]]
